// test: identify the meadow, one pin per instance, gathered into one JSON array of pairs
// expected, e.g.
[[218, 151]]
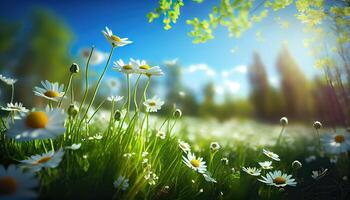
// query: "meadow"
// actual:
[[71, 149]]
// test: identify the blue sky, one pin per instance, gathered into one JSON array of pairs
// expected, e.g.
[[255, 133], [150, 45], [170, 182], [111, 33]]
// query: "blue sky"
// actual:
[[151, 42]]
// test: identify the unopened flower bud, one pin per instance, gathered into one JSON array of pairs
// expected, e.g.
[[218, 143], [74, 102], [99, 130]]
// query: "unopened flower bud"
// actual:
[[177, 113], [296, 164], [74, 68], [117, 115], [73, 110], [284, 121], [317, 125]]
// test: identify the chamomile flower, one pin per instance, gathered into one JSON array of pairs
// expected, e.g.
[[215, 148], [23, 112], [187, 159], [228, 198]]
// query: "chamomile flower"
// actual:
[[115, 40], [197, 164], [38, 125], [154, 104], [278, 179], [50, 159], [50, 91], [115, 98], [154, 71], [15, 107], [14, 184], [8, 81], [271, 155], [266, 165], [121, 183], [252, 171], [319, 173], [214, 146], [126, 68], [74, 146], [113, 84], [141, 67], [336, 143], [184, 146], [161, 135]]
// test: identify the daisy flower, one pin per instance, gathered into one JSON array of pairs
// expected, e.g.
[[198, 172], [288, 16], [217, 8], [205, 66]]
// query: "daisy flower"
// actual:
[[252, 171], [15, 107], [319, 174], [126, 68], [50, 91], [271, 155], [278, 179], [197, 164], [161, 135], [336, 143], [50, 159], [266, 165], [74, 146], [121, 183], [8, 81], [113, 83], [115, 40], [207, 176], [214, 146], [115, 98], [184, 146], [39, 125], [141, 67], [154, 104], [14, 184]]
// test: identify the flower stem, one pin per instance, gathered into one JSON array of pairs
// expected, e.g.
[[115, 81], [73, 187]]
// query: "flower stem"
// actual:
[[65, 92], [13, 92], [86, 78], [135, 92]]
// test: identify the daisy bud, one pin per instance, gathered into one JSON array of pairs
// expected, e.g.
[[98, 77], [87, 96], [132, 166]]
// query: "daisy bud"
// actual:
[[214, 146], [117, 115], [296, 164], [317, 125], [73, 110], [224, 161], [74, 68], [177, 113], [284, 121]]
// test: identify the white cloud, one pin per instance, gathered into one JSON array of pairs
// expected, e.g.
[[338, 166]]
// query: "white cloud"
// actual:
[[201, 67], [242, 69], [97, 56], [171, 62], [232, 86]]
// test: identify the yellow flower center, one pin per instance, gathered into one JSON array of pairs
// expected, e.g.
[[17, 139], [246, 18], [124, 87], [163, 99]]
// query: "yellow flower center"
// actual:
[[51, 94], [152, 103], [37, 119], [42, 160], [127, 67], [339, 138], [195, 163], [116, 38], [8, 185], [279, 180], [145, 67]]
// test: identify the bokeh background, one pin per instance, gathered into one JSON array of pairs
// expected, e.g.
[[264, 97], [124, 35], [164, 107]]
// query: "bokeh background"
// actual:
[[265, 74]]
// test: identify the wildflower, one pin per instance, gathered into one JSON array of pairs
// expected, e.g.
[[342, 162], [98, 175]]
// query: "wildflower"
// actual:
[[319, 173], [14, 184], [74, 68], [177, 113], [74, 146], [15, 107], [278, 179], [184, 146], [122, 183], [72, 110], [145, 161], [115, 40], [141, 67], [144, 154], [310, 158], [161, 135], [336, 143], [284, 121], [50, 91], [252, 171], [154, 104], [197, 164], [113, 83], [50, 159], [224, 161], [39, 125], [150, 176], [296, 164], [271, 155], [317, 125], [128, 155], [115, 98], [214, 146], [8, 81], [266, 165], [207, 176], [126, 68]]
